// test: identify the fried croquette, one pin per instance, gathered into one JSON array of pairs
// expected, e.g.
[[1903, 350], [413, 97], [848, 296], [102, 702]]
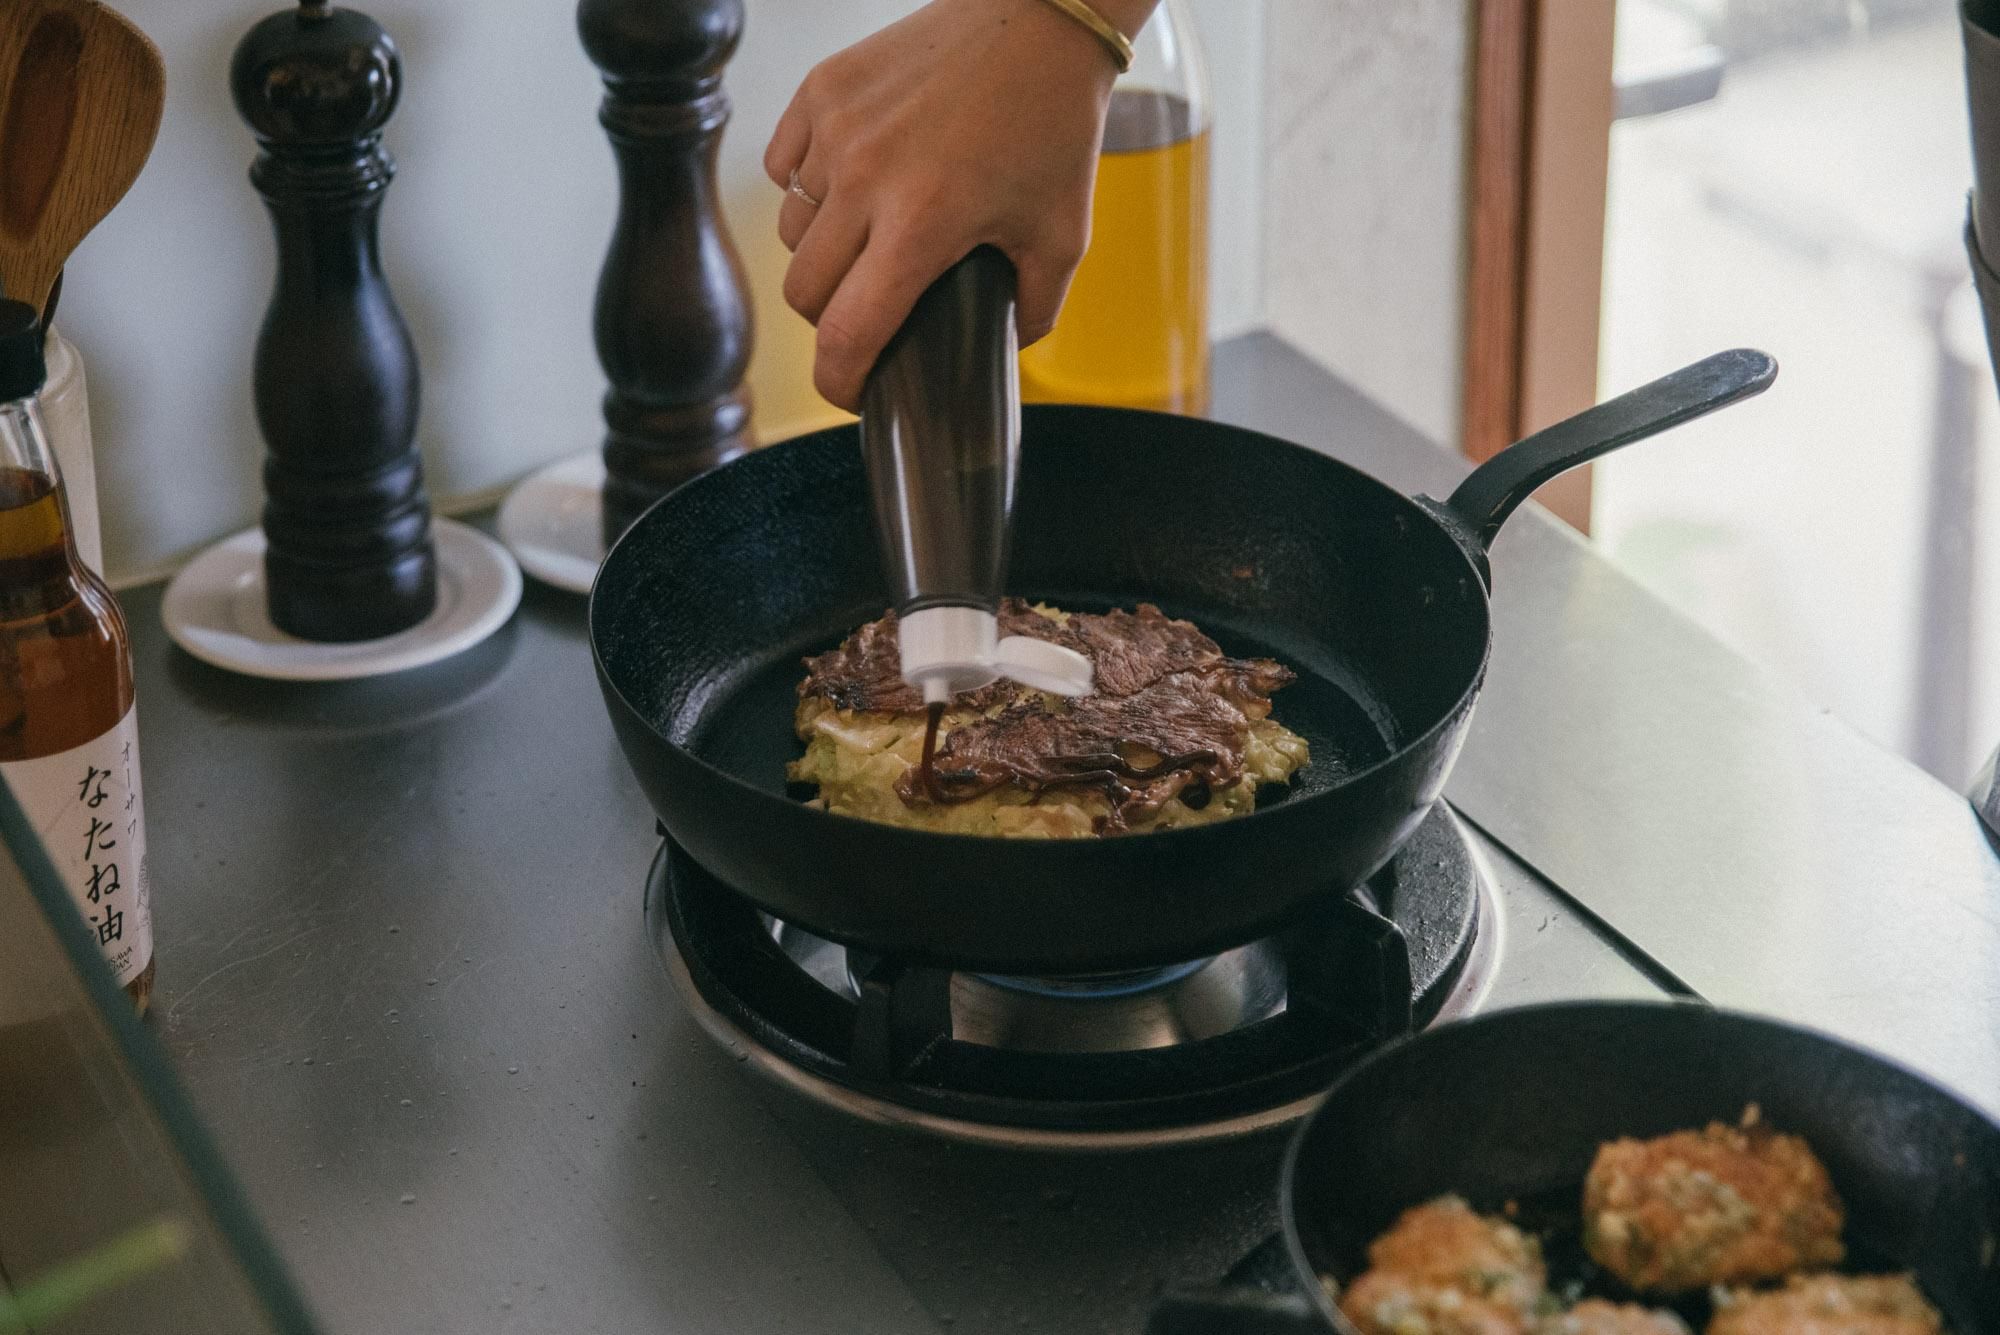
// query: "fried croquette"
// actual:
[[1724, 1205], [1443, 1269], [1382, 1302], [1595, 1316], [1829, 1305]]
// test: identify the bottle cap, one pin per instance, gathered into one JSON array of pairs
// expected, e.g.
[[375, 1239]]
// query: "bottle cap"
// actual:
[[951, 649], [22, 370]]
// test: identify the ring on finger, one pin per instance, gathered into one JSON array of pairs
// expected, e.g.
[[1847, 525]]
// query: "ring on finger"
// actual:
[[796, 189]]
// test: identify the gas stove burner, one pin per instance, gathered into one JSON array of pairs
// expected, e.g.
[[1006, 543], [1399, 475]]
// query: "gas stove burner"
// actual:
[[1094, 986], [1201, 1050], [1183, 1003], [1104, 1012]]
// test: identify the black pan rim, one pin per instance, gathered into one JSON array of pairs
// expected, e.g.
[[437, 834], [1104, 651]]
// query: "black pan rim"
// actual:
[[1288, 1216], [826, 436]]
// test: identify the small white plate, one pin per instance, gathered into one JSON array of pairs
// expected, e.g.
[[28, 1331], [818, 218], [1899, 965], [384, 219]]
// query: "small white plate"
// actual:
[[215, 609], [553, 522]]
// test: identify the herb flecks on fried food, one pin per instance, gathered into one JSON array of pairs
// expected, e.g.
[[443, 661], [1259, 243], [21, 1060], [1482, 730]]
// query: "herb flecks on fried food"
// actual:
[[1723, 1205]]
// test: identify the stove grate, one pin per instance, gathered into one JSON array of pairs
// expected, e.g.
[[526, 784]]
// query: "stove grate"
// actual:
[[1357, 970]]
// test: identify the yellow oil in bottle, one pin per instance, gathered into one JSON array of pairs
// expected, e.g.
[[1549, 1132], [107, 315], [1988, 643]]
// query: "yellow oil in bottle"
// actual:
[[1134, 332]]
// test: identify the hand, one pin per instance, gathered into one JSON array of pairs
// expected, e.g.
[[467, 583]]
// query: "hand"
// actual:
[[970, 122]]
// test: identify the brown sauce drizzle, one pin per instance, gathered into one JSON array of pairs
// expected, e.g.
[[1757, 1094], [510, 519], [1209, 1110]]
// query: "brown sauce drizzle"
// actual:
[[1106, 770], [927, 780], [1111, 771]]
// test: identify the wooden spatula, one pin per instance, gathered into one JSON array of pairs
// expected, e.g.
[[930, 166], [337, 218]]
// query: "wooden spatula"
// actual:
[[81, 92]]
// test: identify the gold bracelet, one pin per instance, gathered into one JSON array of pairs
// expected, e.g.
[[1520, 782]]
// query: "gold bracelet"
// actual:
[[1102, 28]]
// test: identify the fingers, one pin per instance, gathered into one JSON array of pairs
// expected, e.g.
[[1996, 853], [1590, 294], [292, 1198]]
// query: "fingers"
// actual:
[[871, 303], [790, 141], [1042, 276], [858, 286], [1041, 283], [822, 257], [795, 215]]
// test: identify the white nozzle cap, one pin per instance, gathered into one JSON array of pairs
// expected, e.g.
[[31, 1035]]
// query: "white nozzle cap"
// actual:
[[1044, 666], [951, 649]]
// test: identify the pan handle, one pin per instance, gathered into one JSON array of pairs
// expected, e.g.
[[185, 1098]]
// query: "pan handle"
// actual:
[[1484, 500]]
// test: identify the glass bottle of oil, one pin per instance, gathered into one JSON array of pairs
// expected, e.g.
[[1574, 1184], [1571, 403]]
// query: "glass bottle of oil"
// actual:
[[1134, 331], [69, 744]]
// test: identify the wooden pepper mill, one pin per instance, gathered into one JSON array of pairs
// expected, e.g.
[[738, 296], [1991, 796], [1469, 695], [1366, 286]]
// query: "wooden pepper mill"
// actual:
[[335, 375], [673, 315]]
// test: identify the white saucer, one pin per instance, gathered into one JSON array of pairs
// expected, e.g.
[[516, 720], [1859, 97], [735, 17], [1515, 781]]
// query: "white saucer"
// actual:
[[215, 609], [553, 522]]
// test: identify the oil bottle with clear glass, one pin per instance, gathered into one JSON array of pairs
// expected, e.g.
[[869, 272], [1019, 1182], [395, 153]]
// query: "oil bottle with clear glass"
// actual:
[[69, 743], [1134, 331]]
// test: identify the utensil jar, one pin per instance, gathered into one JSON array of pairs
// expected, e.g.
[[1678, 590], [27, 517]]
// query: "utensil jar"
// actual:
[[66, 418]]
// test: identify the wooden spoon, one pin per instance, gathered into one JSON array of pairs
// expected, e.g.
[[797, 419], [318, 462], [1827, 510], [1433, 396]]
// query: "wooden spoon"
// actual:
[[81, 91]]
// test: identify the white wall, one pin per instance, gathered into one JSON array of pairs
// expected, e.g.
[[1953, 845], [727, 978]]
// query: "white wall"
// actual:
[[1364, 218], [493, 233], [1232, 35]]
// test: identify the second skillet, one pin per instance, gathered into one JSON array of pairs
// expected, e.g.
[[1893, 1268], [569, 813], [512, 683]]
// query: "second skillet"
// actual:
[[704, 609], [1512, 1106]]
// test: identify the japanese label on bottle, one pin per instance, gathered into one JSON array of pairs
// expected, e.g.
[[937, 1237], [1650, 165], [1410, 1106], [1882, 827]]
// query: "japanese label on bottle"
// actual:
[[85, 805]]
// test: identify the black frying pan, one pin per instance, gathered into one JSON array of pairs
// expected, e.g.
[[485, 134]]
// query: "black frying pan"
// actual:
[[1511, 1107], [704, 608]]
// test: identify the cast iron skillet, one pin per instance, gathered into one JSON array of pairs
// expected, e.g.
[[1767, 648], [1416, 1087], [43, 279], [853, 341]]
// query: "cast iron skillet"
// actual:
[[704, 608], [1511, 1106]]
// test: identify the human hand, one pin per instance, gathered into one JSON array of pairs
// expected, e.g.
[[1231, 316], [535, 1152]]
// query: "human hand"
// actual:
[[970, 122]]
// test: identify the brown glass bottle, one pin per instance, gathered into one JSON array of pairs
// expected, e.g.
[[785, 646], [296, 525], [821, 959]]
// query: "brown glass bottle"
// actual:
[[67, 745]]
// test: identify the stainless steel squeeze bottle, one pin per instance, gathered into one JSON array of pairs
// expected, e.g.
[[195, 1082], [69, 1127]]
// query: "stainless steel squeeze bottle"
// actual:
[[941, 437]]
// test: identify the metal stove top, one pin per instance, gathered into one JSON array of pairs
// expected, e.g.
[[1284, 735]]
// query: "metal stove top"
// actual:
[[429, 886]]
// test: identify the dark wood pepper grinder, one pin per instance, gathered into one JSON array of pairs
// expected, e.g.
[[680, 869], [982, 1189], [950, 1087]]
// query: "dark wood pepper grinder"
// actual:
[[335, 374], [673, 314]]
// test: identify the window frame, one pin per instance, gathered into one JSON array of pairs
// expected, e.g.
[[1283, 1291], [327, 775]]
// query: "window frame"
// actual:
[[1541, 105]]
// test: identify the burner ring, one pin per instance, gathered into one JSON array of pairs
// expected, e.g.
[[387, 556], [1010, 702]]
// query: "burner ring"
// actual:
[[899, 1052], [1129, 982], [996, 1135]]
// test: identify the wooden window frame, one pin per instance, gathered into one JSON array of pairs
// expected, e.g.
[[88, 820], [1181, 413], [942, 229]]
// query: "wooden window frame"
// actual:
[[1541, 101]]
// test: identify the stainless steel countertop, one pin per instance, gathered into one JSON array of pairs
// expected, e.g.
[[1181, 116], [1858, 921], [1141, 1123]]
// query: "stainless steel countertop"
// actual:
[[401, 955], [1759, 849]]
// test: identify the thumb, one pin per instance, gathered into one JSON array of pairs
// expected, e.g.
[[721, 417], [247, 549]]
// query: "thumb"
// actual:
[[873, 299], [1042, 275]]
